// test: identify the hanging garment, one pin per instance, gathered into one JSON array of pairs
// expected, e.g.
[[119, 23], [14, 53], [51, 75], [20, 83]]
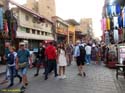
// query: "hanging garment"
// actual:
[[8, 16], [118, 9], [116, 36], [109, 11], [124, 17], [104, 22], [107, 38], [115, 20], [120, 32], [120, 21], [113, 10], [6, 28], [14, 27], [108, 23], [111, 23], [1, 19]]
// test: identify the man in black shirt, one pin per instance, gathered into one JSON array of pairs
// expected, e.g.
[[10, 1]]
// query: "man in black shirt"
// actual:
[[40, 58]]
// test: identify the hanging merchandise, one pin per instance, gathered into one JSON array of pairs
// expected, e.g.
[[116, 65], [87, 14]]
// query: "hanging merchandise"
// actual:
[[104, 22], [113, 10], [8, 16], [120, 21], [6, 28], [111, 23], [118, 9], [107, 41], [115, 20], [109, 11], [120, 32], [108, 23], [14, 27], [116, 35], [124, 17], [1, 19]]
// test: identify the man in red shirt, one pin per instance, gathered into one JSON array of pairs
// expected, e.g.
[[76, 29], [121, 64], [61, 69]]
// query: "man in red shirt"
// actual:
[[50, 53]]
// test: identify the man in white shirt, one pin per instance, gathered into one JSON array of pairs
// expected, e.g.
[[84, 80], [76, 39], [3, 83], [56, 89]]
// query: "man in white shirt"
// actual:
[[88, 53]]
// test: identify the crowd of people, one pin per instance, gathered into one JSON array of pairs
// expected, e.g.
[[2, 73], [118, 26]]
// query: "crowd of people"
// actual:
[[51, 56]]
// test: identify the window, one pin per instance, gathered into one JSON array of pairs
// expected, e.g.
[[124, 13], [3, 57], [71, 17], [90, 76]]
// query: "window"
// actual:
[[42, 33], [34, 20], [26, 17], [38, 32], [27, 30], [33, 31], [46, 25], [46, 33]]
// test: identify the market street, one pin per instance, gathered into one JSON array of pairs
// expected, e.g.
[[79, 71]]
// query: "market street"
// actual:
[[99, 79]]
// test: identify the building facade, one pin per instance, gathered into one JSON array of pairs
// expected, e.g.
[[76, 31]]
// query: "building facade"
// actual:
[[32, 26], [71, 30], [60, 29], [43, 7]]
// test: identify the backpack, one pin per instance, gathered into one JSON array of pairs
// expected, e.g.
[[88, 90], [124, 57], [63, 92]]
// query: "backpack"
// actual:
[[11, 59], [82, 51]]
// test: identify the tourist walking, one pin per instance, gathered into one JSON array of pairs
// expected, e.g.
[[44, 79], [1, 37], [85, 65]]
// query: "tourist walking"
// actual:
[[22, 62], [11, 66], [40, 58], [62, 61], [50, 53], [69, 52], [79, 55], [88, 53]]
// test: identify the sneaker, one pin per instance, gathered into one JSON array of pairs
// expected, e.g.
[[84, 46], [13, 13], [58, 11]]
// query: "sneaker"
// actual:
[[10, 85], [79, 74], [46, 78], [26, 84], [84, 74], [22, 88], [20, 80], [64, 77], [36, 75]]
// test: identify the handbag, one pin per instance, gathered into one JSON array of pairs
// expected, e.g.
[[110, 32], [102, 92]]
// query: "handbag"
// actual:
[[22, 65]]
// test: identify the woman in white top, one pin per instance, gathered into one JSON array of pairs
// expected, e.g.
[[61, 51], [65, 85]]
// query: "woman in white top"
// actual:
[[62, 61]]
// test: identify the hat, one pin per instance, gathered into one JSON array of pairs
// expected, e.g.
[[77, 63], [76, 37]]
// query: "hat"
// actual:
[[22, 43]]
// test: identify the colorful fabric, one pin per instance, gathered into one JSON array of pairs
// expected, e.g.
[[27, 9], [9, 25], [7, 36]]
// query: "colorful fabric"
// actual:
[[113, 9], [120, 21], [1, 19], [115, 20], [109, 11], [118, 9], [108, 23], [124, 17], [116, 36]]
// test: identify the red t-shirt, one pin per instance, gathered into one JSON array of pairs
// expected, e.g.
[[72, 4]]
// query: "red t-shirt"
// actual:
[[50, 52]]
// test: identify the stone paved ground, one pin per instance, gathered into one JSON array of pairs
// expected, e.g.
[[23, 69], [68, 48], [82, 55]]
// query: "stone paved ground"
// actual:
[[99, 79]]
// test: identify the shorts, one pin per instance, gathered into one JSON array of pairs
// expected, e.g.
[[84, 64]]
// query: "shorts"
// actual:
[[79, 61], [24, 70]]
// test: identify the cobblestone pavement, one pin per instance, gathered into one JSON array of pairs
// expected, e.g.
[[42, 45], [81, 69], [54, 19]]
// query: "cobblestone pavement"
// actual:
[[99, 79]]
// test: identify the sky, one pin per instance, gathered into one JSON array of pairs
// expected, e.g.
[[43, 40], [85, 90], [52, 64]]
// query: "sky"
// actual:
[[77, 9]]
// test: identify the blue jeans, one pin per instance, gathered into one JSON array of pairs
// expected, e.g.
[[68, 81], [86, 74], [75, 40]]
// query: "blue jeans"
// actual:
[[88, 59], [12, 72]]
